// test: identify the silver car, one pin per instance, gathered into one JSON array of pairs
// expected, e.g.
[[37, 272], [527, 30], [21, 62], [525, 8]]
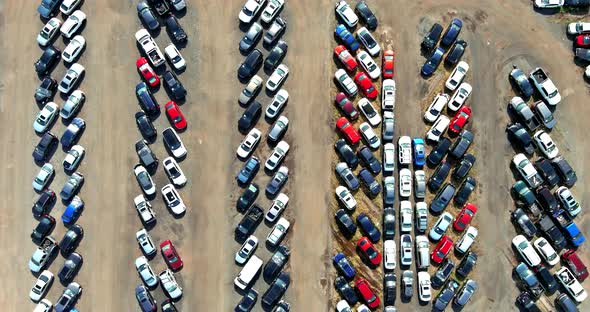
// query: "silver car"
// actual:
[[420, 184], [406, 249], [277, 130], [465, 293]]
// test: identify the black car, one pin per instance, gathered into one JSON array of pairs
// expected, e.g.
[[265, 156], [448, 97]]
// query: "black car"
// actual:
[[147, 16], [346, 154], [146, 156], [47, 8], [145, 126], [467, 264], [275, 56], [565, 303], [171, 139], [546, 278], [369, 180], [250, 117], [527, 226], [577, 3], [146, 301], [43, 203], [276, 290], [565, 171], [446, 296], [146, 99], [44, 227], [46, 144], [456, 52], [547, 200], [368, 227], [160, 6], [73, 134], [432, 63], [345, 223], [168, 306], [547, 172], [276, 263], [431, 38], [389, 289], [174, 29], [442, 198], [552, 232], [439, 152], [249, 222], [388, 223], [174, 85], [463, 168], [71, 239], [251, 38], [345, 290], [277, 182], [251, 64], [526, 302], [439, 176], [248, 301], [248, 197], [462, 144], [46, 90], [465, 190], [518, 77], [365, 13], [47, 61], [518, 135], [70, 267], [451, 33], [443, 273], [369, 160]]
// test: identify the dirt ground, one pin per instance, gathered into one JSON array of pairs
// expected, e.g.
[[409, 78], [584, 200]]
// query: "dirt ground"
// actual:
[[498, 33]]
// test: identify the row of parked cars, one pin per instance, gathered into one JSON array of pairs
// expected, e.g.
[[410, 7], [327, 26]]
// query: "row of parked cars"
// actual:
[[580, 33], [449, 42]]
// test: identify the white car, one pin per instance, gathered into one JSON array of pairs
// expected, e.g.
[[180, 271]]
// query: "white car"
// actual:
[[369, 135], [346, 13], [277, 104], [465, 242], [277, 155], [363, 308], [73, 157], [250, 10], [420, 184], [173, 171], [389, 254], [405, 248], [368, 64], [249, 143], [173, 200], [459, 97], [41, 286], [174, 57], [548, 4], [404, 147], [46, 117], [346, 197], [571, 284], [343, 306], [271, 10], [246, 250], [346, 82], [457, 75], [72, 24], [436, 107], [421, 216], [527, 170], [68, 6], [278, 231], [441, 226], [277, 77], [277, 207], [72, 104], [367, 39], [49, 31], [144, 209], [369, 112], [251, 90], [149, 47], [424, 288], [405, 182], [170, 284], [178, 5], [405, 216], [145, 271], [546, 144], [422, 252], [145, 242], [577, 28], [43, 177], [71, 78], [145, 181], [568, 201], [546, 251], [43, 306], [526, 251], [174, 143], [73, 49], [388, 95], [388, 157], [438, 129]]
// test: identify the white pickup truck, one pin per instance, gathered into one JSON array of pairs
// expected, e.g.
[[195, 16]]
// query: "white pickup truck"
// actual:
[[545, 86], [150, 48]]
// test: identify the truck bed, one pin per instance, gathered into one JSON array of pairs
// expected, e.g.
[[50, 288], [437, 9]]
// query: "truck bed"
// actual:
[[539, 75]]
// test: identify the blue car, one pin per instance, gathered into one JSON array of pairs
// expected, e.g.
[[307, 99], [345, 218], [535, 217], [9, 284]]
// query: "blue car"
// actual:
[[347, 38], [249, 170], [419, 154], [432, 64], [343, 265], [73, 210], [47, 7], [451, 33], [368, 227], [73, 132]]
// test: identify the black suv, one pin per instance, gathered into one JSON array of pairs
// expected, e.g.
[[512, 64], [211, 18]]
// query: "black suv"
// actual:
[[44, 227], [465, 190], [365, 13], [345, 290], [518, 135], [250, 117], [345, 223], [439, 152], [276, 290], [547, 200], [431, 38], [47, 143], [146, 156], [276, 262], [249, 222], [146, 100], [547, 172], [462, 170], [250, 65], [439, 176], [275, 56], [456, 52], [467, 264], [175, 30], [546, 278], [174, 85], [47, 61], [248, 197]]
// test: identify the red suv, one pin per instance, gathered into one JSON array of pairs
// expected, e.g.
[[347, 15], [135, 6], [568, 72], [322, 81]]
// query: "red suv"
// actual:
[[348, 130], [460, 120], [464, 217], [147, 72], [571, 259], [362, 286], [366, 85], [175, 115], [442, 249], [369, 250], [170, 255]]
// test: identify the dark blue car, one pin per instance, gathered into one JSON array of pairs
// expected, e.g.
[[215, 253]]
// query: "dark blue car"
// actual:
[[249, 170], [451, 33], [73, 210], [343, 265], [347, 38], [73, 132], [48, 7], [432, 64], [144, 299], [368, 227]]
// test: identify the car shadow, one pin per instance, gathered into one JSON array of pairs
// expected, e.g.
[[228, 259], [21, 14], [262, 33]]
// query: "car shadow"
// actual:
[[546, 12]]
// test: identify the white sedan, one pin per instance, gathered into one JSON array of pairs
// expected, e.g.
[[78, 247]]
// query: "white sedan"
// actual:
[[41, 286], [170, 284], [173, 171], [345, 197], [277, 207], [45, 117], [526, 251], [367, 39], [73, 157], [577, 28], [72, 24], [546, 251], [246, 250], [388, 157], [457, 75], [49, 31], [546, 144], [424, 288], [389, 254], [68, 6], [72, 104], [144, 180], [145, 271], [73, 49], [465, 242], [346, 13], [144, 209], [405, 248], [277, 77], [404, 146], [368, 64], [43, 306], [460, 96], [405, 215], [250, 10], [174, 57], [271, 10], [278, 231], [277, 155], [249, 143], [346, 82], [405, 182], [173, 200], [388, 95], [438, 129], [369, 135], [277, 104], [71, 78], [43, 177], [441, 226], [369, 112], [145, 242], [548, 4], [436, 107], [251, 90]]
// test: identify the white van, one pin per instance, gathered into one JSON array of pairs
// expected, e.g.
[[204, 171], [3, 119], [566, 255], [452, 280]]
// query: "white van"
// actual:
[[250, 270]]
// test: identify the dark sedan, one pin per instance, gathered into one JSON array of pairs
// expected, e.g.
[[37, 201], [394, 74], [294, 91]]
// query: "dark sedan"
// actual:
[[432, 37], [174, 85], [443, 273], [451, 33], [433, 62], [146, 99], [47, 61], [147, 16], [46, 90], [247, 302], [144, 299], [465, 190], [43, 203], [463, 168], [276, 263], [368, 227], [47, 8], [345, 290], [248, 197], [250, 117], [71, 239], [250, 66], [73, 132], [456, 52], [276, 55], [70, 268], [346, 153], [175, 30], [365, 13], [564, 170], [439, 176], [369, 160], [547, 172], [145, 125], [439, 152], [518, 135], [446, 296], [276, 290], [345, 223], [46, 144], [518, 78], [467, 264], [44, 227]]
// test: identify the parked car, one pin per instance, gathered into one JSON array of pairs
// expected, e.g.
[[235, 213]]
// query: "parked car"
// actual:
[[170, 285], [464, 217], [46, 117], [250, 10], [249, 222], [173, 143], [345, 82], [249, 170], [575, 264], [365, 37], [459, 97], [464, 167], [41, 286], [343, 265], [527, 227], [278, 232], [68, 297], [568, 201], [247, 302], [405, 248], [570, 283], [49, 30], [366, 15], [73, 49], [47, 61], [443, 273], [467, 264], [518, 77], [465, 242], [72, 24], [346, 13], [144, 180], [441, 226], [275, 31], [518, 135], [564, 170], [547, 172], [439, 152], [389, 289], [368, 227], [564, 302], [43, 177], [446, 295], [460, 120], [277, 156], [389, 190], [345, 223], [432, 37], [465, 293], [73, 211], [279, 204], [369, 135], [438, 128], [170, 255], [389, 254], [276, 263], [246, 250], [251, 63], [388, 157], [46, 145], [174, 86], [277, 78], [369, 251], [251, 38], [369, 297], [43, 229], [144, 299], [576, 28], [346, 37], [272, 9], [544, 115], [47, 8], [46, 90], [420, 184], [464, 191], [456, 52], [405, 215], [387, 64], [442, 249], [161, 6], [72, 186], [370, 113], [70, 268], [145, 242], [147, 16], [452, 32], [346, 106], [438, 177], [71, 78], [345, 290], [526, 250], [424, 287], [432, 63], [278, 181]]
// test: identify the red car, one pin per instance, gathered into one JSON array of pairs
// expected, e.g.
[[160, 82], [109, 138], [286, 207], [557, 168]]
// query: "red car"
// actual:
[[175, 115], [348, 130], [464, 217], [583, 41], [170, 255], [460, 120], [148, 74], [369, 250], [346, 106], [344, 56], [442, 249], [362, 286], [571, 259], [366, 85], [388, 63]]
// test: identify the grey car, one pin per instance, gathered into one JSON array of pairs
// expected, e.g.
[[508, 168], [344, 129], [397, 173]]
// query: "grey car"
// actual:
[[70, 267], [251, 37], [462, 144], [389, 190], [277, 130], [68, 298], [466, 293], [443, 198], [347, 176], [72, 186], [446, 295], [419, 184], [278, 181], [147, 16], [544, 114], [370, 182], [408, 284]]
